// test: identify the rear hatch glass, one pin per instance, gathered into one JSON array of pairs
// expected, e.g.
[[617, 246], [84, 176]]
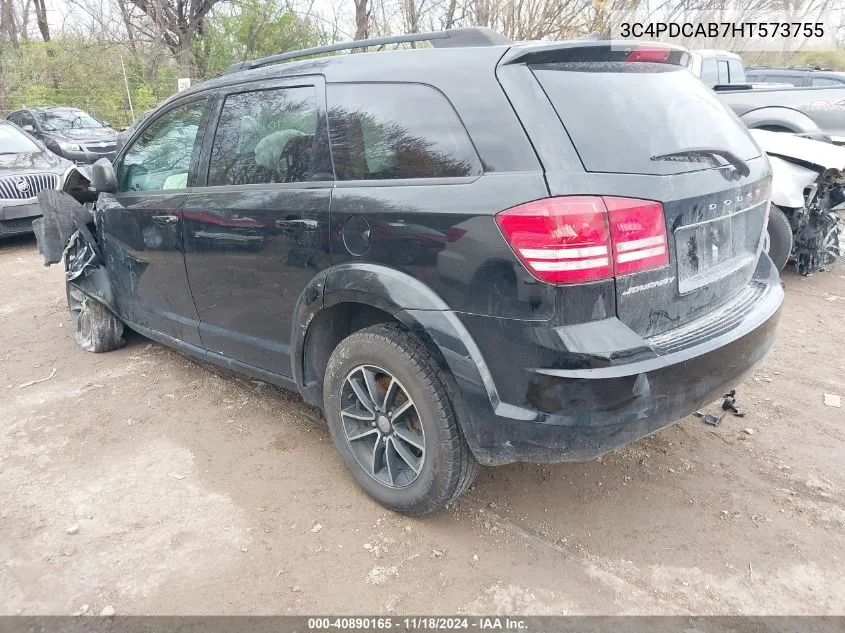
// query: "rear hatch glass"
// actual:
[[622, 115]]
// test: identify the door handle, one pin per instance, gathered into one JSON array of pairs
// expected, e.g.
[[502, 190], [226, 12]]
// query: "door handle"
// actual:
[[296, 223], [165, 219]]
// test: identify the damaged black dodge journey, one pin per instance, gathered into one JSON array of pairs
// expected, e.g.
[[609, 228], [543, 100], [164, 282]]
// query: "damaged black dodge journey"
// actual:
[[474, 252]]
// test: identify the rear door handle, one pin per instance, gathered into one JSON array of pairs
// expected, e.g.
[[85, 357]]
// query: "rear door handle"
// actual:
[[165, 219], [297, 223]]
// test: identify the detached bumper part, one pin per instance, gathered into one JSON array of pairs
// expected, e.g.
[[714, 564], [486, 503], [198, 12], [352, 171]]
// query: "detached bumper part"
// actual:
[[580, 413], [61, 214]]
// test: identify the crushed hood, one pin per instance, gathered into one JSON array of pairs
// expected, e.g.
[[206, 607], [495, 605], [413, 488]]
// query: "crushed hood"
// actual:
[[792, 147]]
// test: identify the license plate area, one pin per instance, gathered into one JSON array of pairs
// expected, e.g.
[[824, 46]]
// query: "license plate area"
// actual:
[[711, 250]]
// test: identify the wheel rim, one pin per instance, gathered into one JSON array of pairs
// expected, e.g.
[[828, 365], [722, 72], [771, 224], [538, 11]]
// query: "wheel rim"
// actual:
[[382, 426], [830, 246]]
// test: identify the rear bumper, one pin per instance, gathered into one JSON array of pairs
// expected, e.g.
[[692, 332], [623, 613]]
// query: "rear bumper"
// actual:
[[563, 411]]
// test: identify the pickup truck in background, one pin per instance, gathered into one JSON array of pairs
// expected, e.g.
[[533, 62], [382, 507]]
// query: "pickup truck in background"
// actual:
[[774, 107]]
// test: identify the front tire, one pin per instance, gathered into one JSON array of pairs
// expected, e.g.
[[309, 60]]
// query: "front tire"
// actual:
[[96, 329], [392, 421], [779, 237]]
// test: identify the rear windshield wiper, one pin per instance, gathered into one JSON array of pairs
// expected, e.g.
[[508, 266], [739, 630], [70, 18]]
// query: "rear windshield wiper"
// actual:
[[696, 154]]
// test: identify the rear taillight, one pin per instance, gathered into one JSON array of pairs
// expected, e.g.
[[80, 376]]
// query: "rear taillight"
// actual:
[[575, 239], [638, 233], [560, 240]]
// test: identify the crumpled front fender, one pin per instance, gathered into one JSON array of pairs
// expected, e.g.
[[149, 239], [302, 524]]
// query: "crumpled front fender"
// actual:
[[788, 183]]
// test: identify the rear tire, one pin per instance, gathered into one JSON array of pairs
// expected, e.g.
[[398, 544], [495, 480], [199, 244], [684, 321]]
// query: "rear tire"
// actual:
[[96, 328], [398, 434], [780, 237]]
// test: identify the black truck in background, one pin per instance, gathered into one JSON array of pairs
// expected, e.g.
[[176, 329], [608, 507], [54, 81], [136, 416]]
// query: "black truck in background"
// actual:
[[774, 107]]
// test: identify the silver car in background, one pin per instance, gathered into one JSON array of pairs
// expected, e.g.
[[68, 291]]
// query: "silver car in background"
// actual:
[[26, 168]]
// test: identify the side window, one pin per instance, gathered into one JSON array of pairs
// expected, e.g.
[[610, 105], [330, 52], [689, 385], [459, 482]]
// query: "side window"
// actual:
[[265, 136], [709, 71], [161, 156], [15, 118], [826, 81], [724, 78], [737, 72], [389, 131]]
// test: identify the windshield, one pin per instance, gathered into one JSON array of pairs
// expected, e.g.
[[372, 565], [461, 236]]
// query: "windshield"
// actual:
[[620, 115], [67, 120], [13, 141]]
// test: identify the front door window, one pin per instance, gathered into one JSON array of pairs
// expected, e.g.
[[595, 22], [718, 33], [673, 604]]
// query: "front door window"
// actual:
[[160, 158]]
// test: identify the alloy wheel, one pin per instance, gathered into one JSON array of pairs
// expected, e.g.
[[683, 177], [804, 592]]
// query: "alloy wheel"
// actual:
[[382, 426]]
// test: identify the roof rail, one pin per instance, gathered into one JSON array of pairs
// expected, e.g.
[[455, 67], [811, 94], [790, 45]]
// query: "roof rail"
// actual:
[[450, 38]]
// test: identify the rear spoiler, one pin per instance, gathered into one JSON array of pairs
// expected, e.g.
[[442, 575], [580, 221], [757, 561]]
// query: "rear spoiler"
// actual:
[[594, 50]]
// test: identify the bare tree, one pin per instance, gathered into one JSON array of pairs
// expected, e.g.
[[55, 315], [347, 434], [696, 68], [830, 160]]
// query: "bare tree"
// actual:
[[41, 19], [178, 22], [8, 24], [362, 19]]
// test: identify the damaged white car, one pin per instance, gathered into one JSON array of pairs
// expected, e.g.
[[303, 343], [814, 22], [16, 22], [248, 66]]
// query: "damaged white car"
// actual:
[[808, 184]]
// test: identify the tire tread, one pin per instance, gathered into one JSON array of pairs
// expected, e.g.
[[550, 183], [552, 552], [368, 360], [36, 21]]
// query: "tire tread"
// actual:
[[460, 465]]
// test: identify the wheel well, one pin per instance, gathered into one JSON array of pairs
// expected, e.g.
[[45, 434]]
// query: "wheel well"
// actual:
[[773, 128], [331, 325]]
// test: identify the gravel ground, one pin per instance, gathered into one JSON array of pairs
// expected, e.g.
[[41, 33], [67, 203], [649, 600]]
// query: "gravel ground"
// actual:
[[142, 481]]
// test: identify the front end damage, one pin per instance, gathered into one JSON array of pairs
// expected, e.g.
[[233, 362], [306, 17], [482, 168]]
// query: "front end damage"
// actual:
[[808, 186], [66, 232], [816, 226]]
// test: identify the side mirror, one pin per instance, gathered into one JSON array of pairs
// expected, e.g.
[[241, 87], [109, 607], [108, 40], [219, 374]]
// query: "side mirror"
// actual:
[[29, 129], [103, 176]]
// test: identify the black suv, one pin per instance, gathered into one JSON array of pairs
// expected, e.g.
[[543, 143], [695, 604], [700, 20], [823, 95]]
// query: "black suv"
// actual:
[[477, 252]]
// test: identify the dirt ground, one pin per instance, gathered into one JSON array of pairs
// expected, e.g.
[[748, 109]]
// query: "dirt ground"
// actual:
[[144, 481]]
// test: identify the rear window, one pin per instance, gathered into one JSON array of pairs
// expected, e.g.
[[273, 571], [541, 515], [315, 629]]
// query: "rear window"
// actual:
[[619, 115]]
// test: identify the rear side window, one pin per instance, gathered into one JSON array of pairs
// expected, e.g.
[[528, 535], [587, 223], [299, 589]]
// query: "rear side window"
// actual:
[[264, 136], [621, 115], [795, 80], [826, 81], [391, 131]]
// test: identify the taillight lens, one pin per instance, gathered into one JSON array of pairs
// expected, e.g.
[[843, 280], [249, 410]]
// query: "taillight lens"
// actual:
[[560, 240], [575, 239], [638, 233]]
